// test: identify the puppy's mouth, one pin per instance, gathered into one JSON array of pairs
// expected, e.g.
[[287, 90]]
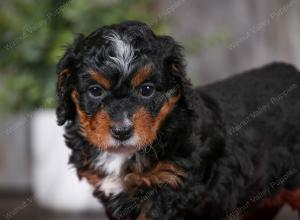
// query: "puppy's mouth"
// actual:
[[129, 146]]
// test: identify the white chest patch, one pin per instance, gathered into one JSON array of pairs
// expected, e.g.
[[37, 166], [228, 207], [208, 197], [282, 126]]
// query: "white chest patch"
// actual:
[[112, 165], [111, 185]]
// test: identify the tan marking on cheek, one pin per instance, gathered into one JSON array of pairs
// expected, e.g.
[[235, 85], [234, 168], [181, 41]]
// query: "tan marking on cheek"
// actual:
[[146, 126], [99, 77], [96, 128], [164, 111], [143, 123], [162, 173], [99, 130], [141, 75]]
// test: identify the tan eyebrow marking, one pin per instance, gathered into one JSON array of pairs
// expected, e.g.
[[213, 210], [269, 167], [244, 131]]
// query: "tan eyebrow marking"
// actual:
[[141, 75], [100, 78]]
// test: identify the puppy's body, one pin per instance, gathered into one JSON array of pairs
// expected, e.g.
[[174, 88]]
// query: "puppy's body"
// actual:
[[259, 110], [154, 148]]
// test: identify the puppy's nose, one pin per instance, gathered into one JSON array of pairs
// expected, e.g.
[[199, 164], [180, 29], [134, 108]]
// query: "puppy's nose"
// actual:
[[122, 133]]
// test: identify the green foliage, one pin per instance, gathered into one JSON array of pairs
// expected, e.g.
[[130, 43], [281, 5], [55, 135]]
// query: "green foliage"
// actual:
[[34, 35]]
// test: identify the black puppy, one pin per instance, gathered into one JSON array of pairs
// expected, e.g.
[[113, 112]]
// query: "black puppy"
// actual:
[[154, 148]]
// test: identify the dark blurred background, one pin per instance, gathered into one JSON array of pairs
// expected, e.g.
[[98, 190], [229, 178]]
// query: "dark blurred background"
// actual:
[[221, 38]]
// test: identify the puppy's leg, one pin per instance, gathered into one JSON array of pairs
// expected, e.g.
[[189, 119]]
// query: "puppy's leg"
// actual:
[[156, 205], [292, 198], [266, 210], [163, 173]]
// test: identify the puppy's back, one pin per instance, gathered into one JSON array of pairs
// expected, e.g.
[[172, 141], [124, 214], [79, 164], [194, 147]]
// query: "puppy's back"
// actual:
[[260, 110], [272, 87]]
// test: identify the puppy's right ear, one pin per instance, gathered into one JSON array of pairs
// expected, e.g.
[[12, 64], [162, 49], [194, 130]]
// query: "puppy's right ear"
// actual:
[[66, 71]]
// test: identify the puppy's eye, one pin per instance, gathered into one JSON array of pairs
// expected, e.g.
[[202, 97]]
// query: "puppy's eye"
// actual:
[[95, 91], [147, 90]]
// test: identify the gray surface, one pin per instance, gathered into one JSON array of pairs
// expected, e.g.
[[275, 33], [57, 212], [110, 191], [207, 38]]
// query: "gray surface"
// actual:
[[32, 211], [14, 153], [287, 214], [227, 22]]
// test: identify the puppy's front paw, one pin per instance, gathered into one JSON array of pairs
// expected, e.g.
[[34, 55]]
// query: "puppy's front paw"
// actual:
[[162, 173]]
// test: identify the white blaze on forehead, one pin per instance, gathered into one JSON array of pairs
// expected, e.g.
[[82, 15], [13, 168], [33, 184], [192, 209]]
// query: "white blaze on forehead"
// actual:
[[124, 53]]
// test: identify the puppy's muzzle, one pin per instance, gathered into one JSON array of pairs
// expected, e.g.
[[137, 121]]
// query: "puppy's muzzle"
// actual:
[[121, 131]]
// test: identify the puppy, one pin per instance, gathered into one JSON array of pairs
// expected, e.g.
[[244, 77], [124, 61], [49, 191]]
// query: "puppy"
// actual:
[[153, 147]]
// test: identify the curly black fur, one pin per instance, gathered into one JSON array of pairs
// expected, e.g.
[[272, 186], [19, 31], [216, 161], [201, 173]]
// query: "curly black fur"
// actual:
[[234, 139]]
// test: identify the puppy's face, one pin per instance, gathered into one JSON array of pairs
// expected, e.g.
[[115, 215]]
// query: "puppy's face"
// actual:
[[121, 84]]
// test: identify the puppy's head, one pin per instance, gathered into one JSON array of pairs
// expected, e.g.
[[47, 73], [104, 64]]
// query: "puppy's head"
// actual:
[[120, 83]]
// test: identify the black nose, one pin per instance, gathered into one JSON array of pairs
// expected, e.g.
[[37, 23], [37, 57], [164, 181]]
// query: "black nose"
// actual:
[[122, 133]]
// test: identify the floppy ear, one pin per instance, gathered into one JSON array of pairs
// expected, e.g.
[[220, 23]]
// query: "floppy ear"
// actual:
[[174, 61], [66, 69]]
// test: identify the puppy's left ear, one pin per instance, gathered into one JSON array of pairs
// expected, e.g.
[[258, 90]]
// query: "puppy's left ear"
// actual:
[[66, 70], [174, 61]]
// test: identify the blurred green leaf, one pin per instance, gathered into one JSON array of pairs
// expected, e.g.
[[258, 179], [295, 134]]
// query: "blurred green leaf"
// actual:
[[33, 37]]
